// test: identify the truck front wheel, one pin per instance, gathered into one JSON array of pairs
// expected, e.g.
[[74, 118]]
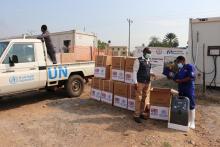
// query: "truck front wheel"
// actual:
[[74, 86]]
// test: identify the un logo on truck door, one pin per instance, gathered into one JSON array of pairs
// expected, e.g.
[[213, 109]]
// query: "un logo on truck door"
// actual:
[[57, 73]]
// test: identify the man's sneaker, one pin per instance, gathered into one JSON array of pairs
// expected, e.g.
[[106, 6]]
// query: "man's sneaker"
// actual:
[[137, 119]]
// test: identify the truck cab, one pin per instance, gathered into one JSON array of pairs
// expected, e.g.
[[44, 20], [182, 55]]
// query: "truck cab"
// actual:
[[24, 66]]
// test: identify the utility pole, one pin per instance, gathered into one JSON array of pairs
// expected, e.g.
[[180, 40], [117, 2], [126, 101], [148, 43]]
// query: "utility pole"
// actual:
[[129, 35]]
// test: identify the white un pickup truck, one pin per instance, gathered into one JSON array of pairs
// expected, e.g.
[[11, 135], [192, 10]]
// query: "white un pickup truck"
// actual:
[[25, 66]]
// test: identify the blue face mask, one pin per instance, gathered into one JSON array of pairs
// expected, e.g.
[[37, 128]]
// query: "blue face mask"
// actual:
[[180, 65]]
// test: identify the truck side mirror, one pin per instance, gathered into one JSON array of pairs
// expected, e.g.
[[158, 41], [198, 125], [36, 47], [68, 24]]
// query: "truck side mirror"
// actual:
[[13, 60], [11, 63]]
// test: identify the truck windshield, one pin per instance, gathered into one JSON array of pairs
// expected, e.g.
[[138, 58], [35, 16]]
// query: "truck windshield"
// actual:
[[3, 46]]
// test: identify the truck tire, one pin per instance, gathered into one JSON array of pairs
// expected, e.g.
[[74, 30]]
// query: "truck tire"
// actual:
[[74, 86]]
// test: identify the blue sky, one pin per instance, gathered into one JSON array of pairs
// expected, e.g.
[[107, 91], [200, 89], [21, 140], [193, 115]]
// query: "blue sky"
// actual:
[[106, 18]]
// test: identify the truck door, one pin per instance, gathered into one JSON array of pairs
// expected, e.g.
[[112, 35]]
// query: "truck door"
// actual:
[[19, 69]]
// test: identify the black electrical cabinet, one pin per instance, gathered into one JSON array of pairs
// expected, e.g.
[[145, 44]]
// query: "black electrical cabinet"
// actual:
[[179, 112]]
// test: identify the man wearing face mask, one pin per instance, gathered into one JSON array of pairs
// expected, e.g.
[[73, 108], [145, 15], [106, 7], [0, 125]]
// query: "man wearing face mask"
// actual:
[[186, 85], [141, 76]]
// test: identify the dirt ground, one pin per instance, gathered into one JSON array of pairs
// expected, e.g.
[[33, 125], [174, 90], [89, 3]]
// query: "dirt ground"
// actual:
[[52, 120]]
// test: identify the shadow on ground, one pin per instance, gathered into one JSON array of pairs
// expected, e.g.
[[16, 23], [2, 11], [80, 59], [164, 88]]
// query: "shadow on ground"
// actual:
[[15, 101]]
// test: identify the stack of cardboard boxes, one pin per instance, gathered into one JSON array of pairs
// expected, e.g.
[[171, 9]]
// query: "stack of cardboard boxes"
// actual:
[[113, 84], [96, 89], [109, 84]]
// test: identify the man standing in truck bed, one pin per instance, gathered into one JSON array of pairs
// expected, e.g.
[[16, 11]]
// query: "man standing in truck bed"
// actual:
[[50, 48]]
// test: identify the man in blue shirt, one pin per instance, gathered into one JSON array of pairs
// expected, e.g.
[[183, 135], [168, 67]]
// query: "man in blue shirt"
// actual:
[[186, 85]]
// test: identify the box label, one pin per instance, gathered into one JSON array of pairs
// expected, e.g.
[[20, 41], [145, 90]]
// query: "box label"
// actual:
[[118, 75], [96, 94], [114, 74], [129, 77], [106, 97], [121, 102], [161, 113], [131, 104], [100, 72]]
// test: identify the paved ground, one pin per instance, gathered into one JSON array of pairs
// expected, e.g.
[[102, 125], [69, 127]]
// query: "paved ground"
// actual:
[[52, 120]]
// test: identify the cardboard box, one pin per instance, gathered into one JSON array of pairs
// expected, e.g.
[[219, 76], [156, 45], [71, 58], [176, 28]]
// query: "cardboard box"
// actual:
[[108, 86], [107, 97], [103, 72], [129, 63], [103, 61], [131, 97], [118, 62], [120, 89], [129, 77], [96, 88], [120, 101], [96, 94], [97, 83], [161, 113], [65, 58], [120, 95], [118, 66], [118, 75], [107, 92], [161, 96]]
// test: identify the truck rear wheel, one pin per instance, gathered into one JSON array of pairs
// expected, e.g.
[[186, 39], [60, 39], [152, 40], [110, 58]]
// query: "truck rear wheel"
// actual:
[[74, 86]]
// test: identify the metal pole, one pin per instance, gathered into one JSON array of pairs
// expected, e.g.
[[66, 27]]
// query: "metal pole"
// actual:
[[129, 35], [203, 74]]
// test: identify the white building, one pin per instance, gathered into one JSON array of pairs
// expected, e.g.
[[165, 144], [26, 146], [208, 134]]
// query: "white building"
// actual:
[[119, 50], [75, 38]]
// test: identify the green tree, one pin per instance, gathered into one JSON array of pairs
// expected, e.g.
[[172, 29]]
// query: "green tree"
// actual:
[[102, 45], [170, 40], [154, 42]]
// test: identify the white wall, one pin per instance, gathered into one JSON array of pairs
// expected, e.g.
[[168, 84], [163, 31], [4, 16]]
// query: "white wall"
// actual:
[[209, 35], [85, 40]]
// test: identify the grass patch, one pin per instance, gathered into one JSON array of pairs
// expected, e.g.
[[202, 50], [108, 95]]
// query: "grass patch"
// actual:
[[166, 144]]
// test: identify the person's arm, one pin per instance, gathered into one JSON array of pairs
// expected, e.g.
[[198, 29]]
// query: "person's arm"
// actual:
[[190, 75], [183, 80], [46, 34], [135, 71]]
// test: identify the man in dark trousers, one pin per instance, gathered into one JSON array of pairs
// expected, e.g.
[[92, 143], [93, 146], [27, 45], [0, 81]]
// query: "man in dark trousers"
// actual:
[[141, 76], [186, 85], [45, 36]]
